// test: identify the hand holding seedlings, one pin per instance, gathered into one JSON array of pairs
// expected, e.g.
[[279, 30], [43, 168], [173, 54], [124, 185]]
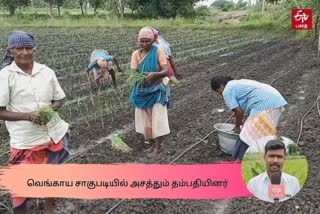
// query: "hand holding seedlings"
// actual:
[[150, 78], [135, 78], [43, 116], [40, 122], [35, 118]]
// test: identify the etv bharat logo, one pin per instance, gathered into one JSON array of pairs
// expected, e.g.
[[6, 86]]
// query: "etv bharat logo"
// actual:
[[276, 191], [301, 19]]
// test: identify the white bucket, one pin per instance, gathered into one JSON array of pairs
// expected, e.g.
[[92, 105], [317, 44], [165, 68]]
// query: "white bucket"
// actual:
[[261, 143], [227, 138]]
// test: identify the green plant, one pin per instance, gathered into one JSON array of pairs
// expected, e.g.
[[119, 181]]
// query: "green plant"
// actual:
[[174, 82], [84, 116], [47, 114], [135, 78], [225, 9], [5, 207], [202, 11], [118, 144], [257, 169], [293, 149]]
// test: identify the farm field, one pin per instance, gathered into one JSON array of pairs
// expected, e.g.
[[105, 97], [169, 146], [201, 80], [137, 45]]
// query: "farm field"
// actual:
[[95, 113]]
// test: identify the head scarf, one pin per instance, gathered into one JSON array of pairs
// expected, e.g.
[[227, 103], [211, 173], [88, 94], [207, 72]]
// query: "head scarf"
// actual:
[[17, 39], [146, 33], [155, 32], [20, 38], [156, 35]]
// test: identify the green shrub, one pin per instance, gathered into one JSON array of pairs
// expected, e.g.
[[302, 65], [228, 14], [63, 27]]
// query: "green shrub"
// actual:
[[202, 11]]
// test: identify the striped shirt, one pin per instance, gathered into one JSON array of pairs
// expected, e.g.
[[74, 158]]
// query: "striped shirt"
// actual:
[[251, 96]]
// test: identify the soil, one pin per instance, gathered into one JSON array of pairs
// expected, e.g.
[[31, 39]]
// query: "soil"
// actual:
[[291, 66], [191, 118]]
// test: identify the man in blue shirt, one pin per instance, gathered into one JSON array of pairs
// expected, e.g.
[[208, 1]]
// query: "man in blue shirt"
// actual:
[[261, 102], [101, 64]]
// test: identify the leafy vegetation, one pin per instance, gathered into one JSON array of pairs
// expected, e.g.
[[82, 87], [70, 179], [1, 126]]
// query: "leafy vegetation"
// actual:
[[135, 78], [118, 144], [12, 5], [47, 114]]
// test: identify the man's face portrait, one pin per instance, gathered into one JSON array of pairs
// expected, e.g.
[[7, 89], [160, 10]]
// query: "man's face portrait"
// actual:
[[274, 160], [23, 54]]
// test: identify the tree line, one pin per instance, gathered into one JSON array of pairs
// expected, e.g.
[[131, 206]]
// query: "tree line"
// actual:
[[143, 8]]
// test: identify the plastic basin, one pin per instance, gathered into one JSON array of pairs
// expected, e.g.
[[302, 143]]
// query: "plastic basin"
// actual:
[[227, 138]]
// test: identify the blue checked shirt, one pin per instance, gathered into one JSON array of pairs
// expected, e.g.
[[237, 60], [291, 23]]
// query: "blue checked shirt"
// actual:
[[251, 96]]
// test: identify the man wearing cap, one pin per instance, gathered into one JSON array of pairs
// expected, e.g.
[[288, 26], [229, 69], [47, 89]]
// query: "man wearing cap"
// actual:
[[101, 64], [26, 86]]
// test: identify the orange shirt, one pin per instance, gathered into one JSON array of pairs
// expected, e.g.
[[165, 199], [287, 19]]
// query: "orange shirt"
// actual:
[[136, 58]]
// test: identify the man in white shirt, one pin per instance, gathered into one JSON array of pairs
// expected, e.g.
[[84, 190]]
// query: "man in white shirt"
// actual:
[[25, 87], [275, 153]]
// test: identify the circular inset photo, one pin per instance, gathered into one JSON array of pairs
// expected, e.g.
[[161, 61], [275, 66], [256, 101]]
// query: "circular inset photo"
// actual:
[[275, 169]]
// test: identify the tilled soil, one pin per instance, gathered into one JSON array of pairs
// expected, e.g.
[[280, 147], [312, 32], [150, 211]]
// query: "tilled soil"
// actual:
[[301, 89], [191, 117], [290, 66]]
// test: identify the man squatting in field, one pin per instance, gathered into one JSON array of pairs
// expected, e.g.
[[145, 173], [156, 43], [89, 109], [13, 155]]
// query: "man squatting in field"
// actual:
[[25, 87], [101, 64], [261, 102], [150, 98]]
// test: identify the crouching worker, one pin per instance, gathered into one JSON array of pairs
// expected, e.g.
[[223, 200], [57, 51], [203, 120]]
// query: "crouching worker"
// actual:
[[101, 64], [261, 102], [27, 86]]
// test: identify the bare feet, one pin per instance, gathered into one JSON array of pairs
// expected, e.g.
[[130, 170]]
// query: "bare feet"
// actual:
[[150, 149], [157, 151], [154, 153], [149, 144]]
